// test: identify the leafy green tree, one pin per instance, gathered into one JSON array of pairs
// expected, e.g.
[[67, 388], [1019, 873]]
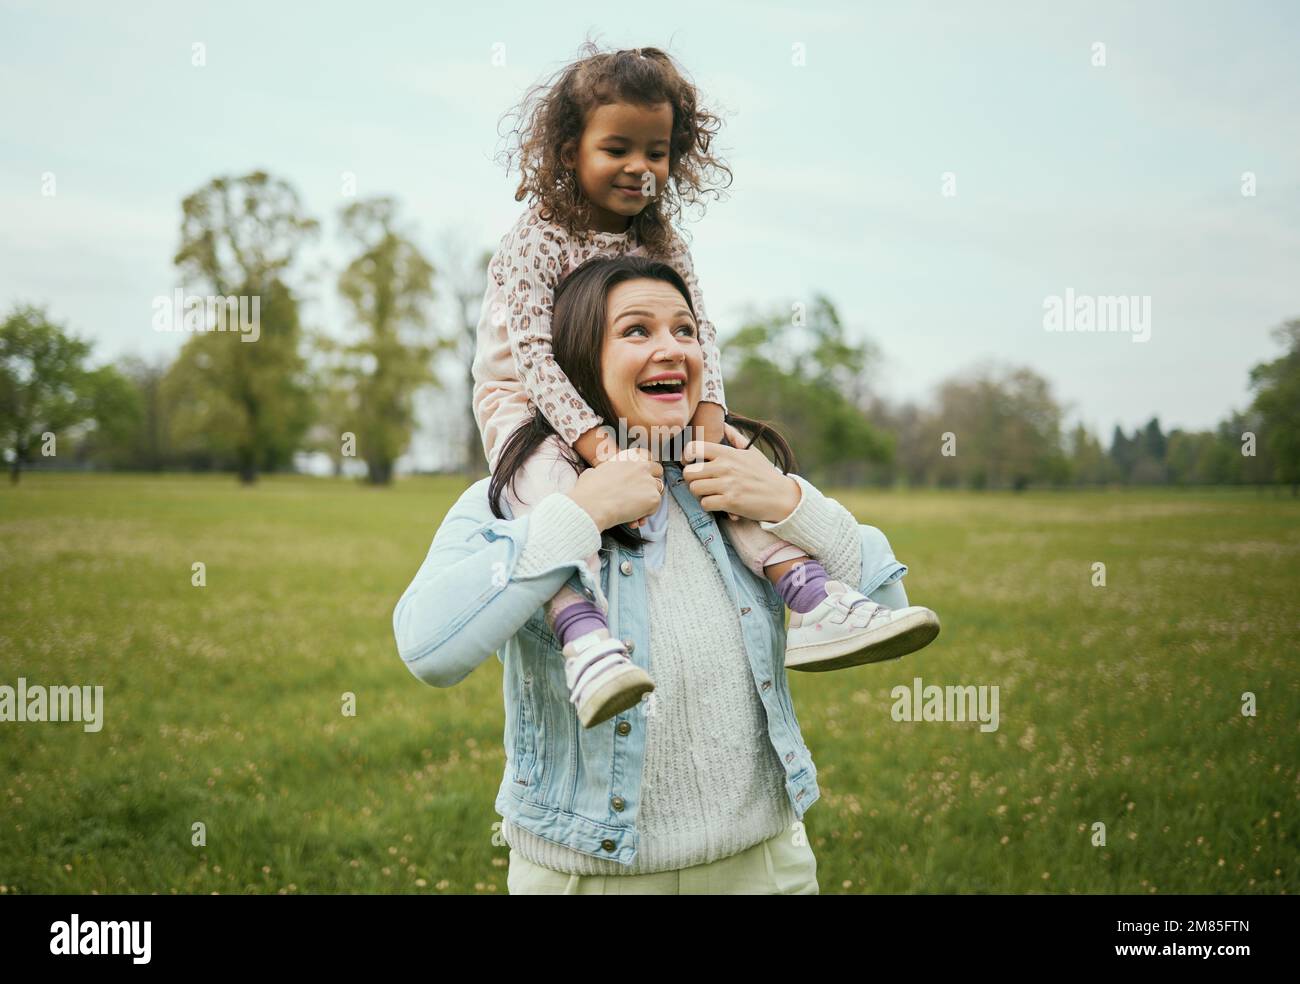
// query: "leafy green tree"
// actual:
[[1148, 445], [804, 376], [1277, 401], [117, 411], [45, 386], [1007, 428], [132, 429], [334, 396], [244, 400], [1123, 453], [908, 425], [1189, 457], [1089, 464], [389, 286]]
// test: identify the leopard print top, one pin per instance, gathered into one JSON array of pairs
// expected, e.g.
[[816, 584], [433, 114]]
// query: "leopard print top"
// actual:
[[532, 258]]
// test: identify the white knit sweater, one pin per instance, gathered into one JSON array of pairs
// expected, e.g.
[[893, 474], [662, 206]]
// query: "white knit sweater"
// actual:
[[712, 784]]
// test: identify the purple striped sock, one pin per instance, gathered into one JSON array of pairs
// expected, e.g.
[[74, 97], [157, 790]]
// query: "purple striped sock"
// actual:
[[803, 592], [577, 620]]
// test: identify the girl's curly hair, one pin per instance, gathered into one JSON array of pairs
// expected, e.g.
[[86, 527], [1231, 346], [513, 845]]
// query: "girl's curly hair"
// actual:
[[554, 112]]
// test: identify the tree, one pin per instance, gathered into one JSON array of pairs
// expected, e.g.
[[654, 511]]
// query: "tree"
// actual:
[[334, 396], [244, 399], [1277, 401], [1122, 453], [1088, 462], [131, 431], [805, 377], [913, 456], [1007, 428], [1189, 457], [389, 286], [1152, 441], [1148, 447], [44, 384], [463, 276], [116, 412]]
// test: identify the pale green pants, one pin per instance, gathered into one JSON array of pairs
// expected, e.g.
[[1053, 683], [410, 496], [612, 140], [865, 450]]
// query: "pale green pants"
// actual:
[[784, 865]]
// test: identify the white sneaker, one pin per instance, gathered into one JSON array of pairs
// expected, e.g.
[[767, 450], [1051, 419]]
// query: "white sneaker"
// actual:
[[836, 634], [602, 680]]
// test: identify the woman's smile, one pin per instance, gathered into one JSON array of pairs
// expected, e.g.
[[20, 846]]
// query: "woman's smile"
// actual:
[[667, 386]]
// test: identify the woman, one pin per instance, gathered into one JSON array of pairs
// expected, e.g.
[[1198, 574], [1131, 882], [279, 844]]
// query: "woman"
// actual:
[[702, 787]]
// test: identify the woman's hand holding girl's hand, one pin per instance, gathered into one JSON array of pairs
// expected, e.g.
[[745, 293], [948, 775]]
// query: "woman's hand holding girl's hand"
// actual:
[[627, 487], [741, 482]]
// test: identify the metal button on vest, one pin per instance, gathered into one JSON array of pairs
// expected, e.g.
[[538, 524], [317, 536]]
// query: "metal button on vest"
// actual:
[[608, 845], [744, 611], [631, 646], [767, 685], [626, 567], [618, 803], [624, 727]]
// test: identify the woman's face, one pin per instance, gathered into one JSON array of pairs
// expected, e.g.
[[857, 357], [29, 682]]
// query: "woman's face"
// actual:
[[651, 335]]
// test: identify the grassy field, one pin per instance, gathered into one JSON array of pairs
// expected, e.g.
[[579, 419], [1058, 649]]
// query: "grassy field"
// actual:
[[1120, 704]]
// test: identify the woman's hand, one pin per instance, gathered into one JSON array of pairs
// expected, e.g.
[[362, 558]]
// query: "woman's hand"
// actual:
[[741, 482], [627, 487]]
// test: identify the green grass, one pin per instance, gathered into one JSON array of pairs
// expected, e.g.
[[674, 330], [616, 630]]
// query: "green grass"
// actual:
[[1119, 704]]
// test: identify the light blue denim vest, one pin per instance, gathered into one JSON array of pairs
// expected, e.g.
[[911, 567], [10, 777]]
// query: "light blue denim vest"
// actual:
[[581, 787]]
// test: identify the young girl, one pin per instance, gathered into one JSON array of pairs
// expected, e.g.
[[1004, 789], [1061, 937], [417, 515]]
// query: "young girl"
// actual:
[[609, 151]]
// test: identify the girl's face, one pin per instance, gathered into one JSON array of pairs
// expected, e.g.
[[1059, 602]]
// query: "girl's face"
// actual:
[[650, 334], [621, 160]]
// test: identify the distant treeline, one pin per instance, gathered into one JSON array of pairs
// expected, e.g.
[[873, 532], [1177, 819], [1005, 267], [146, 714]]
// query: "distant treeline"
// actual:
[[992, 428], [225, 404]]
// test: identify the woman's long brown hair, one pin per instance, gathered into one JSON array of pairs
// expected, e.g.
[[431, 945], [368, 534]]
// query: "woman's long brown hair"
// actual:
[[577, 341]]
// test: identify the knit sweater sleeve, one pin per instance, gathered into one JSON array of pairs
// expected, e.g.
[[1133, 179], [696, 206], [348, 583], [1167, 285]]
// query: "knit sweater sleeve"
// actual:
[[531, 262], [560, 530], [827, 530]]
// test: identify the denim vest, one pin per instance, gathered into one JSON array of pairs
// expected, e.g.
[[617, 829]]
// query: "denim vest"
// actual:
[[581, 787]]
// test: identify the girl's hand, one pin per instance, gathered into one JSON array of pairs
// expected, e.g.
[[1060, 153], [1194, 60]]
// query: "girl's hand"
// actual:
[[737, 440], [708, 422], [740, 482]]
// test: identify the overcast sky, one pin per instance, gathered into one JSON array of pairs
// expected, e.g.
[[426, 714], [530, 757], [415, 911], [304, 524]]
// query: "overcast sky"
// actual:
[[1117, 179]]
